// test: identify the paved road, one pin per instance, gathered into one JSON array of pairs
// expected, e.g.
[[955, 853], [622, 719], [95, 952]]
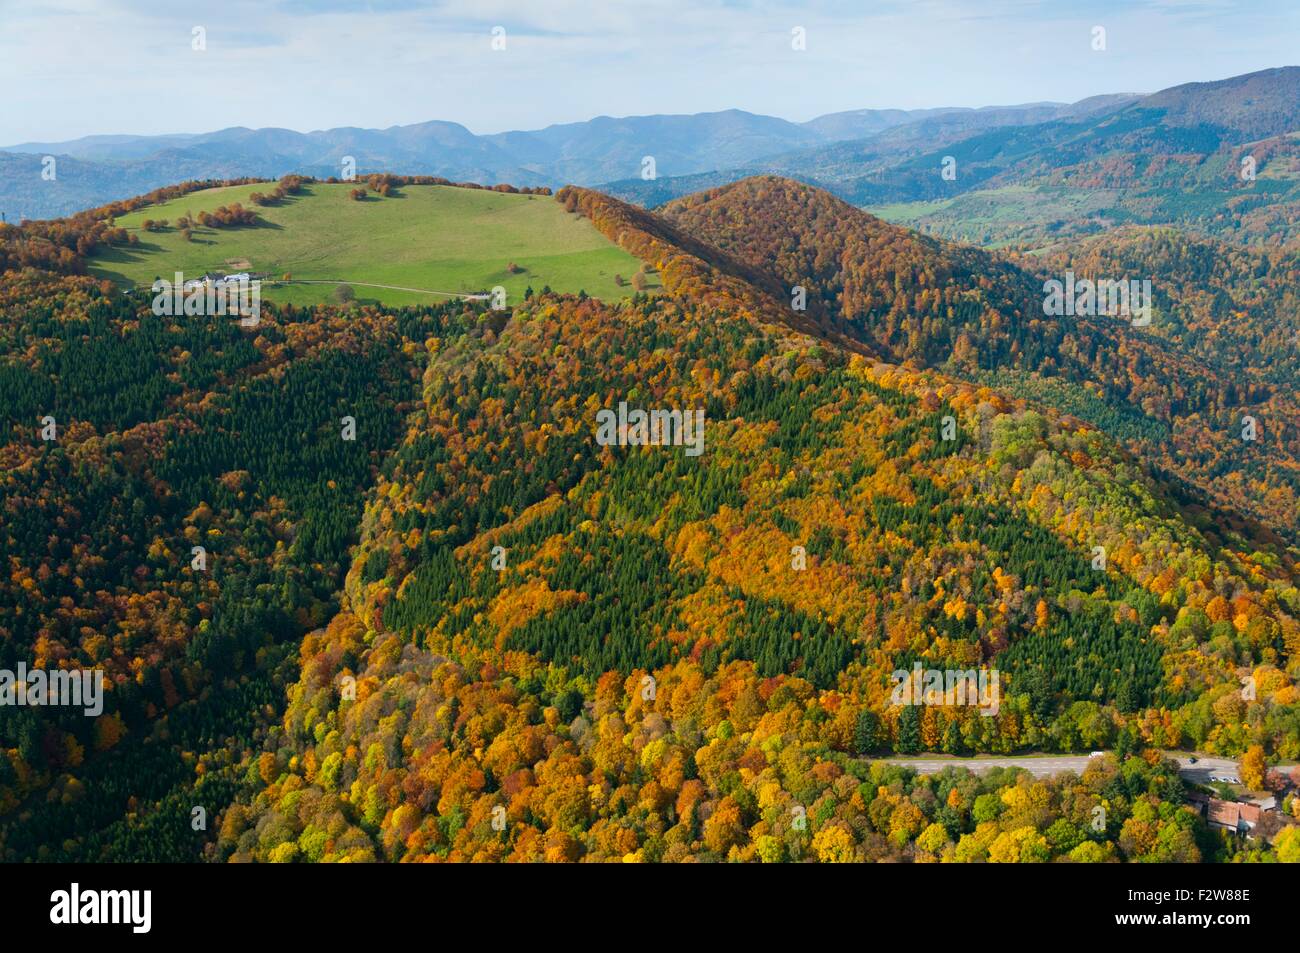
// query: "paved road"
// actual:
[[1043, 766]]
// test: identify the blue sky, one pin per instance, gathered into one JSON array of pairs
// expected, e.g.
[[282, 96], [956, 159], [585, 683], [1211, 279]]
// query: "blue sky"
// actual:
[[79, 67]]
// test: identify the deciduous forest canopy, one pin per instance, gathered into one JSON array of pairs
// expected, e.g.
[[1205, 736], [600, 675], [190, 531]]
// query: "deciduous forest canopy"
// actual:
[[474, 632]]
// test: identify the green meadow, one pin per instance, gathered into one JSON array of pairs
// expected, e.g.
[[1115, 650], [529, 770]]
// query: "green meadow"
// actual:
[[429, 238]]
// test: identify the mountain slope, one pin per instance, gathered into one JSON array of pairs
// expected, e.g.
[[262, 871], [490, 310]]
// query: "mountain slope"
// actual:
[[1222, 158], [516, 639], [187, 524], [1177, 390], [1253, 106], [614, 652]]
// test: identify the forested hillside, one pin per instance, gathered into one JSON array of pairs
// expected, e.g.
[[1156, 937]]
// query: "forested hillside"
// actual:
[[556, 650], [479, 632], [171, 434], [1219, 159], [1222, 343]]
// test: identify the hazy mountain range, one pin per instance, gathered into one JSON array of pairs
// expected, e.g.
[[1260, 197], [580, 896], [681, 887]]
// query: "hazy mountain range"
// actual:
[[97, 169], [1168, 146], [1028, 173]]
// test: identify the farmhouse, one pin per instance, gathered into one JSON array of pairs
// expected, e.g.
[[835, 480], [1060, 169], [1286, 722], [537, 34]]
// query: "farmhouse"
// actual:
[[1244, 819], [1232, 815]]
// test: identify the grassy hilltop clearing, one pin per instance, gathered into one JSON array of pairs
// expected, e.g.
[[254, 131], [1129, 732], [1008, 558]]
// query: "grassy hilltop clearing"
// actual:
[[423, 237]]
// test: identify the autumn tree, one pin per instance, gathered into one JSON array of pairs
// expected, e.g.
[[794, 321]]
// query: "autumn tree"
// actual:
[[1253, 768]]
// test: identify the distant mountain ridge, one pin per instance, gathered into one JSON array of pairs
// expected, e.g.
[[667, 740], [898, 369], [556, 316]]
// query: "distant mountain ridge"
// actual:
[[1028, 175], [1254, 105], [1176, 157], [97, 169]]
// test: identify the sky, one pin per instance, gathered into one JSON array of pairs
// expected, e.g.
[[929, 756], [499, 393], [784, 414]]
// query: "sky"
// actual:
[[83, 67]]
